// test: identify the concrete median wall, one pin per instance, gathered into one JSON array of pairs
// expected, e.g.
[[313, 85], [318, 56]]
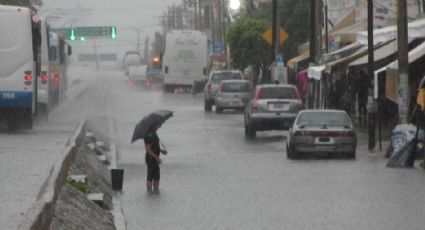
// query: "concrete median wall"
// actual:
[[61, 206]]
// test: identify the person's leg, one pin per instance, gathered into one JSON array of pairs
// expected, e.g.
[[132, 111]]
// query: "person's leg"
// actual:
[[156, 177], [149, 178]]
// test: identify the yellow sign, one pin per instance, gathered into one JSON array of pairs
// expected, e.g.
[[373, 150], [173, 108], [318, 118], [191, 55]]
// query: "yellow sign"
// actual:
[[283, 35]]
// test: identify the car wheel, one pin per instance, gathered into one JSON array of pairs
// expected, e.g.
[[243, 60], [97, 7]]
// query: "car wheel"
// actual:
[[352, 155], [207, 106], [218, 109], [251, 131], [291, 153]]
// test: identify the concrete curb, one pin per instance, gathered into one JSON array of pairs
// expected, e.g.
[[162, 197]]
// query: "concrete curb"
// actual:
[[117, 212], [40, 214]]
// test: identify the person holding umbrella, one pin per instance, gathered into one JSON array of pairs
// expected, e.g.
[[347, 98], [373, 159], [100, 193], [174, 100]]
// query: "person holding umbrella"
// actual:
[[152, 159], [146, 129]]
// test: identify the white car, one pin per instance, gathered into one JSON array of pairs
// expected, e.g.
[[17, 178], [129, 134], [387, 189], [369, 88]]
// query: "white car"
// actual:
[[214, 80], [322, 132]]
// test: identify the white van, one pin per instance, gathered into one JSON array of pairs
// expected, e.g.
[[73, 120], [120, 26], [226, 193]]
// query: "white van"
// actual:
[[185, 58], [19, 45]]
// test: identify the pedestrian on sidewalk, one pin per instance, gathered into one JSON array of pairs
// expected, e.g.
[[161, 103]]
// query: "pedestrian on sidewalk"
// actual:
[[152, 159]]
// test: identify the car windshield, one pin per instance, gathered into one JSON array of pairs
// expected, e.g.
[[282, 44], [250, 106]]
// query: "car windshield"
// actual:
[[277, 92], [218, 77], [323, 118], [234, 87]]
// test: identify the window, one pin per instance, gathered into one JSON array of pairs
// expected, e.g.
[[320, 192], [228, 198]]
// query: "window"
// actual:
[[234, 87], [218, 77], [321, 118], [278, 92]]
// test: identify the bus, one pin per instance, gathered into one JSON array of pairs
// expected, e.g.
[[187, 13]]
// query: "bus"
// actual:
[[43, 80], [20, 64], [58, 67], [185, 59]]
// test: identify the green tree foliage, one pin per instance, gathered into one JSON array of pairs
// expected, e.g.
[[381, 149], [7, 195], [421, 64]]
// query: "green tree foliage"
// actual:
[[245, 40], [295, 18], [157, 44], [28, 3]]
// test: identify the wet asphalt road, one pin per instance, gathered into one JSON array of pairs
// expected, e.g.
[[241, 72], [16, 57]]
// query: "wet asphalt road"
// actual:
[[213, 178]]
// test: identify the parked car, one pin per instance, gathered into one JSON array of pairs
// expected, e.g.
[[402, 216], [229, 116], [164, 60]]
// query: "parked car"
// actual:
[[232, 94], [272, 107], [214, 80], [322, 131]]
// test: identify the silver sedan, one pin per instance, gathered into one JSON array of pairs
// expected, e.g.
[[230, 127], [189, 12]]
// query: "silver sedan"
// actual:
[[322, 132], [232, 94]]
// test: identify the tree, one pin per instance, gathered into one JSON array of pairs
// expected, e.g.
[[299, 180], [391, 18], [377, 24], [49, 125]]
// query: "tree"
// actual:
[[27, 3], [294, 17], [157, 45], [246, 43]]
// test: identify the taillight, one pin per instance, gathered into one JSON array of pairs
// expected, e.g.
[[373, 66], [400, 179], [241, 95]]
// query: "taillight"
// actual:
[[254, 106], [209, 88], [219, 87], [28, 76], [148, 83], [43, 76], [56, 77], [258, 94], [298, 95]]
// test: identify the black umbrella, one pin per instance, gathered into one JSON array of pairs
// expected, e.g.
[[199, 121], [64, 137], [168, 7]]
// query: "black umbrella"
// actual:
[[158, 117]]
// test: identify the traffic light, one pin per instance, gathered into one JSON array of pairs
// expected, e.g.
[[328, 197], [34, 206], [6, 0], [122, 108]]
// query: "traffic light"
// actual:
[[72, 34], [114, 32]]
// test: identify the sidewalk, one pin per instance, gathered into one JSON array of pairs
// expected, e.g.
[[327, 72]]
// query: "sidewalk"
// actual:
[[363, 139]]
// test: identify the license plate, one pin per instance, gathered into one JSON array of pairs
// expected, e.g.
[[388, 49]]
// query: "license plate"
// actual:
[[324, 140], [278, 106], [235, 103]]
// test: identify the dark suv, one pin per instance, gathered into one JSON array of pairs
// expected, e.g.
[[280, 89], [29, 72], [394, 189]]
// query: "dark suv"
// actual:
[[272, 107]]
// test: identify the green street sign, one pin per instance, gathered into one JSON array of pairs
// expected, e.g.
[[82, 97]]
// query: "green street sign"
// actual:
[[86, 32]]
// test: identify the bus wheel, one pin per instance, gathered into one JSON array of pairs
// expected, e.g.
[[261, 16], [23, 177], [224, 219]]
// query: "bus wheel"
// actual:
[[12, 124]]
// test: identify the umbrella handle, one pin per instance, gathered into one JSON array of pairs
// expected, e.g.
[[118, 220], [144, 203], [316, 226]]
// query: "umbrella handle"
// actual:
[[163, 146]]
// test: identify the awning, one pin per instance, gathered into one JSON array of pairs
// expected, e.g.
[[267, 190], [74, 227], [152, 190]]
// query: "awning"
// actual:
[[378, 54], [292, 63], [342, 64], [340, 53], [315, 72], [391, 85], [415, 29]]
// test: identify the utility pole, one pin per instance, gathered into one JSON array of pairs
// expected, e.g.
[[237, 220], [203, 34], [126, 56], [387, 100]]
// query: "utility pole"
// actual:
[[195, 16], [173, 17], [315, 49], [403, 62], [274, 30], [371, 70], [326, 27], [200, 15]]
